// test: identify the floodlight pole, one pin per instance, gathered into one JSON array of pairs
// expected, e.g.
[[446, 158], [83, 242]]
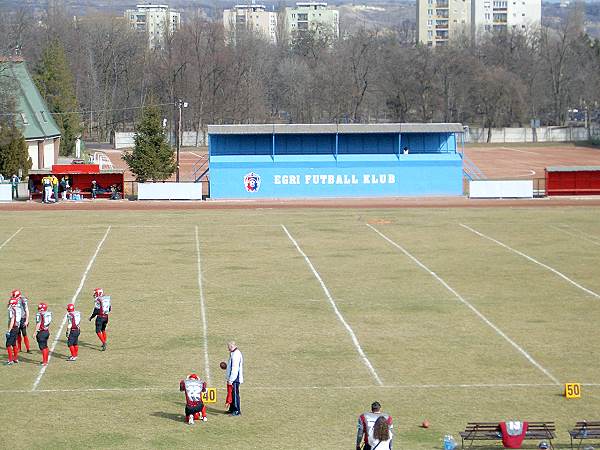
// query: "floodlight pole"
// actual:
[[180, 106]]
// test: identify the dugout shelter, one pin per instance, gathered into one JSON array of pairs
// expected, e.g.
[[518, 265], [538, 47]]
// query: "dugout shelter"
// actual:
[[81, 177], [335, 160], [576, 180]]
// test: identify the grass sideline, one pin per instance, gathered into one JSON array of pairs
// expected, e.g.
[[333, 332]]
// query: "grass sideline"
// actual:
[[306, 383]]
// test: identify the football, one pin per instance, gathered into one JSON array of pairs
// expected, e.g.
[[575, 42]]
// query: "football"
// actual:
[[223, 365], [425, 424]]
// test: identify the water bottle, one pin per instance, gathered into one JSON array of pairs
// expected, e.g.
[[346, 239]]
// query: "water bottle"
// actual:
[[449, 443]]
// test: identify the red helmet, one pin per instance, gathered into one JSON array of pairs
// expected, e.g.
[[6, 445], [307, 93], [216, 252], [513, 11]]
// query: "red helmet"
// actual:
[[98, 292], [70, 307], [42, 307], [192, 376], [16, 294], [13, 302]]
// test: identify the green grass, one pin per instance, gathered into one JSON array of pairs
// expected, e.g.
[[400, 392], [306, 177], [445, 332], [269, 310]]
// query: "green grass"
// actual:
[[306, 383]]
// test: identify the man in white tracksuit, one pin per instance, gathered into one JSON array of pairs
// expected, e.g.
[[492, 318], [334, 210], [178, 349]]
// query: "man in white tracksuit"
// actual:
[[235, 377]]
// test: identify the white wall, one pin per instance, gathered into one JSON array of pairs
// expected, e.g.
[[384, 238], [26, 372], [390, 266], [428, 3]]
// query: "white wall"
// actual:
[[32, 149], [125, 140], [5, 192], [501, 189], [169, 191], [48, 154], [544, 134]]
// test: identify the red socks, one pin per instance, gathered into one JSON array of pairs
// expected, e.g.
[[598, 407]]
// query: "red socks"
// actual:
[[196, 416], [19, 341], [26, 340], [76, 347], [102, 336], [72, 350], [15, 352], [204, 411], [45, 355], [10, 353]]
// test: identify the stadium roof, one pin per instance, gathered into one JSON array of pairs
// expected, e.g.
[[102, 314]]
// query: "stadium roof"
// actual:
[[337, 128], [33, 119], [573, 169]]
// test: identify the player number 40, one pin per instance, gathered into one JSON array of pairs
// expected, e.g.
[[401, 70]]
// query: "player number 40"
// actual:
[[572, 390], [210, 396]]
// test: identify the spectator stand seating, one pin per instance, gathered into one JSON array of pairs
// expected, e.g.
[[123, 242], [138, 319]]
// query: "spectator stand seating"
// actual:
[[583, 431], [490, 431]]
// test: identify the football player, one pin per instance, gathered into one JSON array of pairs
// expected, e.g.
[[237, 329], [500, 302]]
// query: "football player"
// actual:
[[23, 304], [14, 318], [102, 308], [193, 388], [42, 330], [73, 322]]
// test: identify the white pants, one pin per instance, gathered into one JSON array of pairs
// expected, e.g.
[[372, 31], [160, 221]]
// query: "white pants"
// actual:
[[47, 193]]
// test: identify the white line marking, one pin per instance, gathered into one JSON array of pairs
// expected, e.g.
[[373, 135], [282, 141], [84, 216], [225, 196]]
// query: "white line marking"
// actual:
[[336, 310], [10, 238], [469, 305], [579, 235], [306, 388], [202, 309], [196, 154], [564, 277], [518, 150], [73, 300]]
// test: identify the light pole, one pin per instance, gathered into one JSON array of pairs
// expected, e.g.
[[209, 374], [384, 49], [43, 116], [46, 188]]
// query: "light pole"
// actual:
[[180, 105]]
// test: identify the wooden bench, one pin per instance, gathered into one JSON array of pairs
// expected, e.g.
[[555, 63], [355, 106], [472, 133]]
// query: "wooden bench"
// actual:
[[490, 431], [584, 430]]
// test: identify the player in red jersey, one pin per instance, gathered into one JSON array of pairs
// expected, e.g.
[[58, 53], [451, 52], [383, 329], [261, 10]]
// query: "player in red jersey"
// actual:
[[24, 305], [193, 388], [102, 308], [73, 329], [14, 318], [42, 330]]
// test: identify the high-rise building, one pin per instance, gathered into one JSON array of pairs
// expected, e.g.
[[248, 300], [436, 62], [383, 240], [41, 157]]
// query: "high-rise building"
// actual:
[[155, 20], [439, 21], [312, 16], [254, 18]]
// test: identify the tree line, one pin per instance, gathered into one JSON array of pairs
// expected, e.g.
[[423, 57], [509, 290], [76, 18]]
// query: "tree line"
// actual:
[[504, 79]]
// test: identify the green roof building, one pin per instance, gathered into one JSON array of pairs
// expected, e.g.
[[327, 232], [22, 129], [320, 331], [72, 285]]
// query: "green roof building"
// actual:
[[33, 117]]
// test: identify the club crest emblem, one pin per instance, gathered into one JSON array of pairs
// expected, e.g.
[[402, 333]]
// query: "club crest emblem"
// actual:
[[252, 182]]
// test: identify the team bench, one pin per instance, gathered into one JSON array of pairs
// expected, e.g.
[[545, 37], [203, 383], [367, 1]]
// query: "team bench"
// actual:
[[584, 430], [490, 431]]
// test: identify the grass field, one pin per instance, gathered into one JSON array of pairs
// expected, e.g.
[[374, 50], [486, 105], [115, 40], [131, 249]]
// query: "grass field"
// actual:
[[454, 326]]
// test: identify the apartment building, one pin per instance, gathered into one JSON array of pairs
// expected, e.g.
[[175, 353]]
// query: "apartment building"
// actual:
[[313, 16], [253, 18], [439, 21], [157, 21]]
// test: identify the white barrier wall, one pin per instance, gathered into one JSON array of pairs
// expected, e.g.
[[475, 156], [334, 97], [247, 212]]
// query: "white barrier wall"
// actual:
[[501, 189], [5, 192], [477, 135], [169, 191], [188, 139]]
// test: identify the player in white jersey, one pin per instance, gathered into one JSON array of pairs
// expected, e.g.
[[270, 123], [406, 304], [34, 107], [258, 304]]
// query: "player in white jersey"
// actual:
[[42, 330], [365, 425], [14, 318], [73, 328], [24, 305], [102, 307], [193, 388]]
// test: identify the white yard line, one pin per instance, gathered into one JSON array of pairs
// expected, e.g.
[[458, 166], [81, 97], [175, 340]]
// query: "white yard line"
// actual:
[[577, 234], [195, 154], [519, 150], [545, 266], [10, 238], [202, 309], [469, 305], [73, 300], [336, 310], [307, 388]]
